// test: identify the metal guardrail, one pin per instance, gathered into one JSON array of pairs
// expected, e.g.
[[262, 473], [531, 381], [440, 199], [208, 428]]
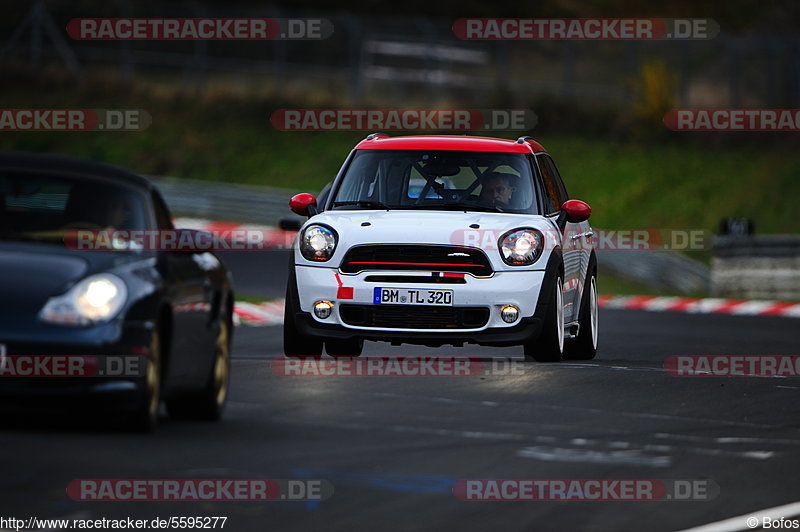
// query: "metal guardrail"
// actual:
[[658, 269], [225, 201], [763, 266]]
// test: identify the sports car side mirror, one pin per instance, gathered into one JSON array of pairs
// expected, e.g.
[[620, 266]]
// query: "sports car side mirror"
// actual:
[[576, 210], [303, 204]]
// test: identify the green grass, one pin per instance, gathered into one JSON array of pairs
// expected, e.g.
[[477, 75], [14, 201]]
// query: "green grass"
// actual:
[[679, 186]]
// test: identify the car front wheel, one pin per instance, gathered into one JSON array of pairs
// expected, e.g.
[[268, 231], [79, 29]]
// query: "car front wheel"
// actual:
[[209, 403], [145, 414], [549, 347], [584, 347]]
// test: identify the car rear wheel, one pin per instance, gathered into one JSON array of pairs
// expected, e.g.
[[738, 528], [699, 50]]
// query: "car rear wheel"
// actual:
[[584, 347], [295, 343], [549, 347], [344, 348], [145, 415], [210, 402]]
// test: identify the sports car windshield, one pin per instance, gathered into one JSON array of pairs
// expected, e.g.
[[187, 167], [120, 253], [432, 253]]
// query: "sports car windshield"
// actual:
[[438, 180], [49, 208]]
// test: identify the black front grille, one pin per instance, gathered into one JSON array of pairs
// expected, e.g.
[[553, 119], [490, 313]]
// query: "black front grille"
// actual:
[[418, 279], [416, 257], [414, 316]]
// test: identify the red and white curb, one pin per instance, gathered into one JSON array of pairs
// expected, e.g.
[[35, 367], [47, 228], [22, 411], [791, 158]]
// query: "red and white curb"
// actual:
[[709, 305], [271, 312], [258, 314]]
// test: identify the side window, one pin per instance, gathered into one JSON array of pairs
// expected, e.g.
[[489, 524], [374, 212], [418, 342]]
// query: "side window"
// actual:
[[163, 220], [322, 198], [550, 181], [562, 190]]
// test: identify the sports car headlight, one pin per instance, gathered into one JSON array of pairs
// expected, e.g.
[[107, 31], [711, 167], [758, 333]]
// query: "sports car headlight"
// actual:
[[318, 243], [521, 247], [92, 300]]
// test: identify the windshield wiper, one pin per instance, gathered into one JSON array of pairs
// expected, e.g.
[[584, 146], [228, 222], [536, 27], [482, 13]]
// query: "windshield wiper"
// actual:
[[361, 203]]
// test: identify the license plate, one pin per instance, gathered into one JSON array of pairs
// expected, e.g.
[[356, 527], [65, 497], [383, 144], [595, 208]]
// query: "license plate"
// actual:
[[412, 296]]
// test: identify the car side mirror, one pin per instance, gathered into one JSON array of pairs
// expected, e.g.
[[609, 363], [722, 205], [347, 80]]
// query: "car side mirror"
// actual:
[[576, 211], [303, 204]]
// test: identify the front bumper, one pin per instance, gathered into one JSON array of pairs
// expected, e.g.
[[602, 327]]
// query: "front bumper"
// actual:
[[117, 350], [520, 288]]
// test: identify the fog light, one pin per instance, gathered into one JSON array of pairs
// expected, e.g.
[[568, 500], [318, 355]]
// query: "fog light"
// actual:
[[323, 309], [509, 313]]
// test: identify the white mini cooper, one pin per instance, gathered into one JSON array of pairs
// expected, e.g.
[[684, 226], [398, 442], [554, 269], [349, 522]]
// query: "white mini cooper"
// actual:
[[439, 240]]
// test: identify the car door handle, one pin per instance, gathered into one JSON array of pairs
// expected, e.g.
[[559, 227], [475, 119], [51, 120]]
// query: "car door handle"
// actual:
[[587, 234]]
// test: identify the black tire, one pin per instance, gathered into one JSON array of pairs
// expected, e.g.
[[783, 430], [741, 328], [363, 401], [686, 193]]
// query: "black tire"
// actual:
[[584, 346], [295, 343], [549, 346], [344, 348], [144, 417], [208, 404]]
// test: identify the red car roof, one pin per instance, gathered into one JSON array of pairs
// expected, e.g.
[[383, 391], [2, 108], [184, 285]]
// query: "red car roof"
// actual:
[[450, 142]]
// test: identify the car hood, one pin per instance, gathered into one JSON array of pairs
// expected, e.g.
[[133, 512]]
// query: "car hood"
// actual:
[[30, 273], [425, 227]]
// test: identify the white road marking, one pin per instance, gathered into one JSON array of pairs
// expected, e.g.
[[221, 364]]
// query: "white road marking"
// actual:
[[470, 434], [739, 523], [755, 455], [725, 439], [628, 457]]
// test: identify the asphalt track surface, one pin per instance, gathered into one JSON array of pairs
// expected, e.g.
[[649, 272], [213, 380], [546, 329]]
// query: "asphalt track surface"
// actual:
[[393, 447]]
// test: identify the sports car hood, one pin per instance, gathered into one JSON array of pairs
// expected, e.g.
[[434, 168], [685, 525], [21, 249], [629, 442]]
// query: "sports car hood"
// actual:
[[425, 227], [31, 273]]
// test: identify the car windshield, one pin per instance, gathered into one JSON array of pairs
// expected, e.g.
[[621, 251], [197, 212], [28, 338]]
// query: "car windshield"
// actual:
[[50, 208], [442, 180]]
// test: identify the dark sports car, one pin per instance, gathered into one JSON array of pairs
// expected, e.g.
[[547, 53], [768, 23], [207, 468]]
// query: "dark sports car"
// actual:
[[152, 323]]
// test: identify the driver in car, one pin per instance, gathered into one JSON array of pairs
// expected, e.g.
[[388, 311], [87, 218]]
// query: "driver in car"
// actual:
[[497, 190]]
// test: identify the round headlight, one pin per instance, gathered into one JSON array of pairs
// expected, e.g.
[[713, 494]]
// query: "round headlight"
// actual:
[[94, 299], [317, 243], [521, 247]]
